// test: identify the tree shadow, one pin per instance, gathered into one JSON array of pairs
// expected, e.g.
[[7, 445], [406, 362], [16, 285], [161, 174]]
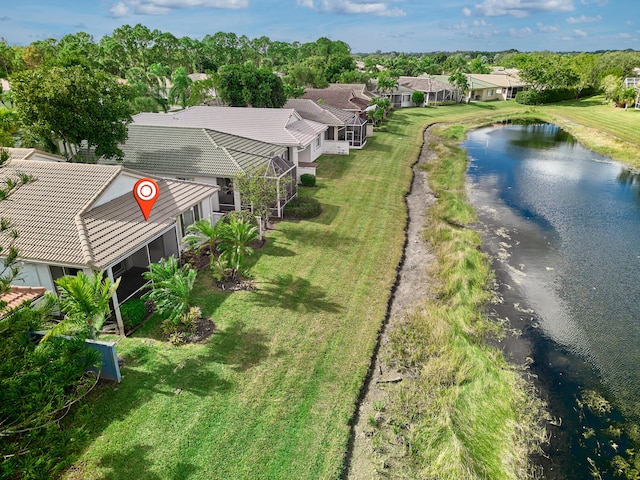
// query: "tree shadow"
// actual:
[[122, 465], [238, 347], [484, 105], [293, 293], [328, 215], [334, 166]]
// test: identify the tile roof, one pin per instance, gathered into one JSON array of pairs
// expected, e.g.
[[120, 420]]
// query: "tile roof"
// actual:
[[18, 295], [278, 126], [33, 153], [335, 97], [55, 221], [321, 113], [163, 150], [423, 84]]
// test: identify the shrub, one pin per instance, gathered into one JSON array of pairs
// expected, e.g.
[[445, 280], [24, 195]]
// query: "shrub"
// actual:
[[244, 216], [542, 97], [133, 312], [308, 180], [302, 207]]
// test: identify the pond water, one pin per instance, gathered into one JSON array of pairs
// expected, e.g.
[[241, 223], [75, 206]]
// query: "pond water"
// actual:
[[562, 225]]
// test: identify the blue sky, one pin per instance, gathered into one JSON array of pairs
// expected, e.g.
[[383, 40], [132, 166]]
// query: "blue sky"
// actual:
[[366, 25]]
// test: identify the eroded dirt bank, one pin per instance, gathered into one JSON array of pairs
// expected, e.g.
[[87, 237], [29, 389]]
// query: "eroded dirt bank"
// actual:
[[365, 460]]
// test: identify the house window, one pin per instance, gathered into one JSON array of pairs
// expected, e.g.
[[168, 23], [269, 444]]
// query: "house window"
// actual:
[[328, 134], [189, 217], [59, 272], [489, 93], [318, 141]]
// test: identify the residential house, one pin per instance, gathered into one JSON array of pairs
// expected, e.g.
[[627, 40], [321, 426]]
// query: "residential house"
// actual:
[[205, 156], [345, 129], [79, 217], [278, 127], [500, 85], [350, 97], [434, 91]]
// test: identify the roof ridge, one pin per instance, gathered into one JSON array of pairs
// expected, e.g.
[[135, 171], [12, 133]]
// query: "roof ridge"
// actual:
[[224, 149], [85, 242]]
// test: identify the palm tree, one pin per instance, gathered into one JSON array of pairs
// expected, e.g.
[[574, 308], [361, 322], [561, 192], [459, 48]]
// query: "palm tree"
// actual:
[[203, 233], [170, 288], [180, 83], [84, 300], [234, 243]]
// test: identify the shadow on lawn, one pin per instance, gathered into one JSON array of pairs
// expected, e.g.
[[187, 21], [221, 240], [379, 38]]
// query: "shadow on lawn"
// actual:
[[134, 463], [293, 293], [238, 347]]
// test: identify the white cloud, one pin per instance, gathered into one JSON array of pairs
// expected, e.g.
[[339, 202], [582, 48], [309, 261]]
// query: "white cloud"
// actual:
[[580, 33], [602, 3], [164, 7], [547, 28], [466, 12], [119, 10], [626, 35], [380, 9], [480, 23], [521, 8], [583, 19], [521, 32]]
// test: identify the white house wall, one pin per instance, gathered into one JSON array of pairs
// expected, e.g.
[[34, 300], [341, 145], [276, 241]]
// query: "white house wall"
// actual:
[[333, 147], [122, 185], [34, 275], [316, 147]]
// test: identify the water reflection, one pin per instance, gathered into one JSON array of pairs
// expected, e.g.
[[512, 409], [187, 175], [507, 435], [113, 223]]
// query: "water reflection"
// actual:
[[562, 224], [630, 179]]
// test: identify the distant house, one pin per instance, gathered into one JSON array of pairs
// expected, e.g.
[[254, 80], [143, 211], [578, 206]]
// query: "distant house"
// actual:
[[350, 97], [346, 129], [281, 128], [78, 217], [434, 90], [500, 85]]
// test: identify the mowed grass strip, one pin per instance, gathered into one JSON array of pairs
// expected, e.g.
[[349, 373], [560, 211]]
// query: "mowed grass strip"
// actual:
[[271, 394]]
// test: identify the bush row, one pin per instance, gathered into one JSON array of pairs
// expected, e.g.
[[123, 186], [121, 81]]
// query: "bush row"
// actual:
[[535, 97]]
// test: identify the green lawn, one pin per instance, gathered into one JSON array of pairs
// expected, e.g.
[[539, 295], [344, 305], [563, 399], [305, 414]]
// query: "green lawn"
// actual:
[[271, 394]]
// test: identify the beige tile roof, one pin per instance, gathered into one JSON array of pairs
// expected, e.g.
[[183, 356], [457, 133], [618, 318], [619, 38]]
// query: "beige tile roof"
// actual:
[[107, 230], [277, 126], [55, 221], [337, 96], [423, 84], [321, 113], [176, 150], [33, 153]]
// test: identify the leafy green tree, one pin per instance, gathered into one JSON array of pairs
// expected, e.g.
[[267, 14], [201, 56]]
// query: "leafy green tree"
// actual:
[[260, 191], [246, 85], [84, 300], [39, 383], [417, 98], [74, 105], [8, 126], [547, 71], [235, 238], [309, 73], [338, 64]]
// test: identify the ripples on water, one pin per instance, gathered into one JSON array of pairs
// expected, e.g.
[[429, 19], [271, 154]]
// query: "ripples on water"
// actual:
[[565, 223]]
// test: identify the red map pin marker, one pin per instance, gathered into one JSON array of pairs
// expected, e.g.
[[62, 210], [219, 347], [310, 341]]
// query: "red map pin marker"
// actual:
[[146, 192]]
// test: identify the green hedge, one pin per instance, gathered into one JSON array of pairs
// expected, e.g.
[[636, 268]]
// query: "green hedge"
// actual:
[[542, 97], [308, 180], [133, 312], [302, 207]]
